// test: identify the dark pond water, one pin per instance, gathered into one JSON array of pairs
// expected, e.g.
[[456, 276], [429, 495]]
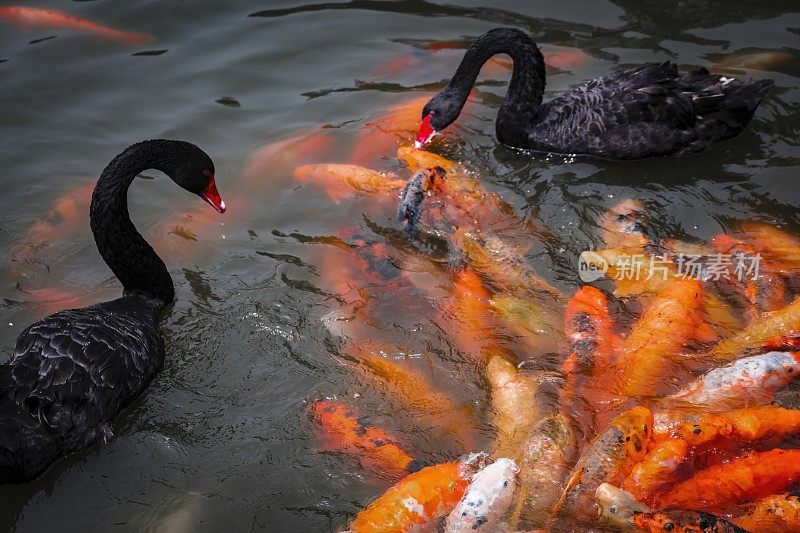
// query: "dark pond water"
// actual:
[[221, 440]]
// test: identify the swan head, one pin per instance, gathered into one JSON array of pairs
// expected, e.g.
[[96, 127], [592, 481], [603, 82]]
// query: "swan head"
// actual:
[[440, 111], [195, 173]]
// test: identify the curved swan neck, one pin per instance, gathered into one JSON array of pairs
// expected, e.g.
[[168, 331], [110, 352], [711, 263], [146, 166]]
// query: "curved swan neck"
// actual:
[[525, 91], [130, 257]]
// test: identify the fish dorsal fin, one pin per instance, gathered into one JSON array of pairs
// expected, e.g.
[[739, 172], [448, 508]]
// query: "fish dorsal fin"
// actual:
[[573, 480]]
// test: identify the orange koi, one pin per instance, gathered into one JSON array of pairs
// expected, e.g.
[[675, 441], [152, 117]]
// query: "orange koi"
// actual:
[[284, 156], [678, 521], [673, 318], [627, 283], [764, 290], [753, 476], [419, 498], [566, 59], [345, 431], [341, 180], [659, 469], [395, 66], [766, 329], [764, 60], [382, 135], [472, 328], [609, 459], [33, 17], [745, 425], [774, 514], [50, 299], [536, 325], [778, 247], [515, 409], [505, 264], [590, 334], [413, 389], [63, 222]]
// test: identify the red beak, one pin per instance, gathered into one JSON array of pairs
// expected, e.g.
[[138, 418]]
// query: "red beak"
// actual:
[[211, 195], [426, 132]]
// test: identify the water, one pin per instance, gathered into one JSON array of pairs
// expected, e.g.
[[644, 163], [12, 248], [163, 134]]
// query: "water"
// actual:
[[221, 438]]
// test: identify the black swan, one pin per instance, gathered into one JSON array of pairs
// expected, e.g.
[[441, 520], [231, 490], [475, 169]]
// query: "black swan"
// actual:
[[630, 114], [72, 372]]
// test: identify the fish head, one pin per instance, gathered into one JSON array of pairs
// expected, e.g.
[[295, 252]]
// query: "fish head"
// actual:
[[618, 505], [417, 160], [636, 426], [470, 463]]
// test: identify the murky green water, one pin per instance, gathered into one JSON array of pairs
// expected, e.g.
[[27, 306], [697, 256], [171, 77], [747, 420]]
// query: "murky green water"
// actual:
[[221, 439]]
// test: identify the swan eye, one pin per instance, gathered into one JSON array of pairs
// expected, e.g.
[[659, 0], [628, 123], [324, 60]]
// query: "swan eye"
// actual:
[[206, 172]]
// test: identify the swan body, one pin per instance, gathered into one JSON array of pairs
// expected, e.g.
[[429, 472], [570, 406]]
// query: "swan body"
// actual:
[[643, 112], [72, 372]]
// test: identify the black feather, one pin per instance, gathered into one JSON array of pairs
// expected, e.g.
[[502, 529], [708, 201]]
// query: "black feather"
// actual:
[[72, 372], [631, 114]]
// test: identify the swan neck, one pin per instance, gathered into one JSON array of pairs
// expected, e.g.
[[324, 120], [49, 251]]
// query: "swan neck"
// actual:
[[133, 261], [524, 96]]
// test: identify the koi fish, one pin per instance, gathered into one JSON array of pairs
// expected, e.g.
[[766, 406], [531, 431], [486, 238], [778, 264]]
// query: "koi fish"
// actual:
[[618, 505], [763, 290], [504, 263], [566, 59], [627, 283], [395, 66], [659, 470], [673, 318], [750, 381], [284, 156], [411, 196], [47, 300], [33, 17], [590, 334], [465, 196], [609, 459], [781, 249], [677, 521], [753, 476], [417, 160], [346, 431], [486, 499], [544, 464], [768, 328], [381, 136], [744, 425], [764, 60], [666, 420], [774, 514], [341, 180], [419, 498], [536, 325], [623, 226], [65, 221], [515, 409], [470, 320], [413, 389]]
